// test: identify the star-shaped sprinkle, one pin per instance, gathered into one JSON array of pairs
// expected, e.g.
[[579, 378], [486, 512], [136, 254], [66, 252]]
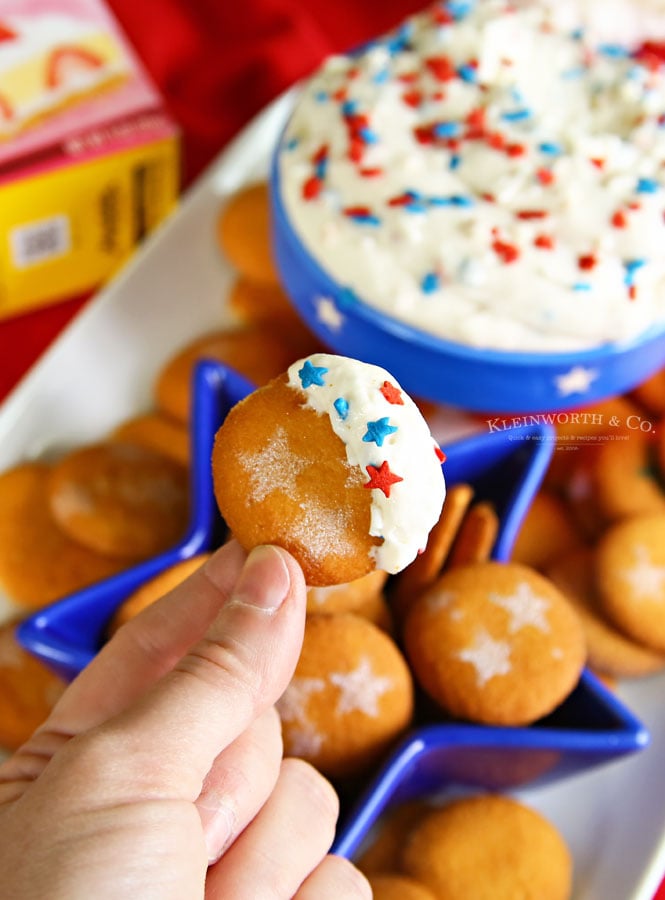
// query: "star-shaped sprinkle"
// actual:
[[489, 657], [328, 313], [378, 431], [360, 689], [382, 478], [311, 375], [524, 608], [440, 455], [292, 705], [576, 381], [645, 577], [342, 407], [392, 394]]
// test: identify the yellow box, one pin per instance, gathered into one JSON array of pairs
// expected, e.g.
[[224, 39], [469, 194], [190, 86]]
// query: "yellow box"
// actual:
[[89, 160]]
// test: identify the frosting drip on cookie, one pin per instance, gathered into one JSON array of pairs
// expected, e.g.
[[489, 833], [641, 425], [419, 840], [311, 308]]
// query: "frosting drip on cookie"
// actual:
[[489, 174], [388, 439]]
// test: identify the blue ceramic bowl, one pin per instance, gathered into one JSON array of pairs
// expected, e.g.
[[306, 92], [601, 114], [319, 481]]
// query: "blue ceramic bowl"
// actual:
[[447, 372], [506, 468]]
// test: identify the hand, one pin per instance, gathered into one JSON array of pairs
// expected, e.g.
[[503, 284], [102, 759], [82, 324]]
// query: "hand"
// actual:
[[159, 774]]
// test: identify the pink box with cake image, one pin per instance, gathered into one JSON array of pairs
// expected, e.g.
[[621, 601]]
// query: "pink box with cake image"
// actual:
[[88, 155]]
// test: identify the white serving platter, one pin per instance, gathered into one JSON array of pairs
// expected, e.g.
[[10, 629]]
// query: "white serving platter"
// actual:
[[101, 371]]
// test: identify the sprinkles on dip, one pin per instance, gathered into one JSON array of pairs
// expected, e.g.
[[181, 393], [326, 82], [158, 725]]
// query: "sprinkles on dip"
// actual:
[[387, 438], [487, 176]]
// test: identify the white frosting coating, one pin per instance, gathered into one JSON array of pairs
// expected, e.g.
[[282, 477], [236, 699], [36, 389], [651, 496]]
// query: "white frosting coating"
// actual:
[[380, 427], [488, 175]]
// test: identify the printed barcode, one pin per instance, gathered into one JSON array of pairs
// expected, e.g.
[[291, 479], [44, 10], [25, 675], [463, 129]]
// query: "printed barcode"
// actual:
[[40, 241]]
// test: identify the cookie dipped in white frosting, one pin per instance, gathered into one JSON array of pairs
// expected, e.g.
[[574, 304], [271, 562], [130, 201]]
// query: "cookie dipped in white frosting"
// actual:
[[387, 438]]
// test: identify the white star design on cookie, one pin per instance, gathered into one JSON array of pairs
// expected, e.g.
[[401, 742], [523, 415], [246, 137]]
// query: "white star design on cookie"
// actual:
[[576, 381], [440, 600], [360, 689], [291, 706], [273, 468], [645, 578], [489, 657], [305, 741], [524, 607], [328, 314]]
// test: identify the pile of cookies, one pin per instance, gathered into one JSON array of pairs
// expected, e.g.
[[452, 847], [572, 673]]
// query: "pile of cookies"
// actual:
[[597, 525], [474, 845]]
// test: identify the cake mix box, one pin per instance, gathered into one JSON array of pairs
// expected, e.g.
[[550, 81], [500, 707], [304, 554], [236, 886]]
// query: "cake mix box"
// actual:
[[89, 159]]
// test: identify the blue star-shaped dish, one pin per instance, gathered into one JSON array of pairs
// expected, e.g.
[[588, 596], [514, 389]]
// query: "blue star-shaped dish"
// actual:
[[505, 468]]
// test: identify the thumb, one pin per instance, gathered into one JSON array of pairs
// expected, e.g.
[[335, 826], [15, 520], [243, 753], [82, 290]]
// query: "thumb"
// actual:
[[239, 669]]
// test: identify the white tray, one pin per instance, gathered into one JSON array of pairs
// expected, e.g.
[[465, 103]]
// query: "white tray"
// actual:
[[101, 370]]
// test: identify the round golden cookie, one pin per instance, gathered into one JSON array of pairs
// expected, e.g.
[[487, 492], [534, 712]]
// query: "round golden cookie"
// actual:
[[381, 854], [243, 232], [547, 531], [159, 433], [363, 597], [624, 478], [259, 354], [578, 493], [578, 429], [28, 691], [495, 643], [262, 303], [348, 597], [630, 577], [609, 652], [154, 588], [39, 563], [334, 462], [651, 393], [120, 500], [489, 847], [350, 697], [398, 887]]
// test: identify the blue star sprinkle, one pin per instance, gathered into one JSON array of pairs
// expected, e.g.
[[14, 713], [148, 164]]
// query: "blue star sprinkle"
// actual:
[[377, 431], [342, 408], [310, 375]]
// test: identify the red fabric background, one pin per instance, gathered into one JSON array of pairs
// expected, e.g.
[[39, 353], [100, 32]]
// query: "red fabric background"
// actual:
[[217, 62]]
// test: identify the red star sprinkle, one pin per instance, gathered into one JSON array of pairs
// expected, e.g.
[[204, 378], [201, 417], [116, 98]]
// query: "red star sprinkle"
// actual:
[[392, 394], [382, 478], [440, 455]]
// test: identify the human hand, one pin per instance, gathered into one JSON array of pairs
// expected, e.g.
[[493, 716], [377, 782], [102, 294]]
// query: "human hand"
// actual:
[[159, 773]]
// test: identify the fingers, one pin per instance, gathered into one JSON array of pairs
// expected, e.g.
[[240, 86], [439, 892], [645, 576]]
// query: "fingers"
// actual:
[[284, 843], [148, 646], [139, 654], [240, 781], [334, 878], [238, 670]]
